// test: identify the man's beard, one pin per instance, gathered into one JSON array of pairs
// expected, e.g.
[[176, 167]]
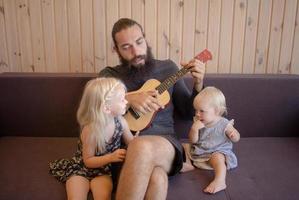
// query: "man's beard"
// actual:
[[148, 59]]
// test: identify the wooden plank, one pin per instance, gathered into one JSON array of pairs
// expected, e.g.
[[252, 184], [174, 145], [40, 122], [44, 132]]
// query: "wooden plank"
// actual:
[[14, 54], [3, 50], [176, 22], [275, 36], [250, 36], [201, 26], [23, 21], [287, 36], [38, 49], [49, 35], [87, 36], [125, 8], [227, 14], [213, 34], [111, 18], [99, 18], [188, 30], [61, 29], [263, 37], [163, 39], [238, 36], [150, 24], [74, 35], [138, 11], [295, 57]]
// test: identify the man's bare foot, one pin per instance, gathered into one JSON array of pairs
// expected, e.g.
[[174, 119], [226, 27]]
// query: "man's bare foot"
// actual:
[[215, 186], [187, 167]]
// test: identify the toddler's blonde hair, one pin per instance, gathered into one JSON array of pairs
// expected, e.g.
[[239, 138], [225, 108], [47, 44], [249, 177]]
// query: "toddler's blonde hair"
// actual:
[[215, 98], [97, 93]]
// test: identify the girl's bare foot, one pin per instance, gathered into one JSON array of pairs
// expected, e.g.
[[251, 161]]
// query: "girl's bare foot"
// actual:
[[187, 167], [215, 186]]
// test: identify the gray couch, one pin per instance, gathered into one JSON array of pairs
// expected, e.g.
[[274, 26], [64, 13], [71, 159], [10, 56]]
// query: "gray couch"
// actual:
[[38, 124]]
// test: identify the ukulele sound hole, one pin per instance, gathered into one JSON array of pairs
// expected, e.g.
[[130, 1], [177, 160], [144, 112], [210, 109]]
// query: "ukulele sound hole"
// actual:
[[134, 113]]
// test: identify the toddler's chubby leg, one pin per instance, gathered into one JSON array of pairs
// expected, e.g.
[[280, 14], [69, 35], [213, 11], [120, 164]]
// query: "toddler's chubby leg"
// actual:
[[217, 161], [187, 166]]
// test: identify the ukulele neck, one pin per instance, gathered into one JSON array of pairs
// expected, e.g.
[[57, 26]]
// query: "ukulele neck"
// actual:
[[170, 81]]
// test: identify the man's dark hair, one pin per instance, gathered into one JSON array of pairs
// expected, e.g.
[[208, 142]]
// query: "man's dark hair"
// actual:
[[123, 23]]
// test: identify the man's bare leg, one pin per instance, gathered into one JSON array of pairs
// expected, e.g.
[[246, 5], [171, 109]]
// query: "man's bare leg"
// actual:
[[158, 185], [144, 154]]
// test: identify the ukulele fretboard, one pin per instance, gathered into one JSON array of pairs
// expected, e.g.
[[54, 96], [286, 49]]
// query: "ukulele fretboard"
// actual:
[[166, 84]]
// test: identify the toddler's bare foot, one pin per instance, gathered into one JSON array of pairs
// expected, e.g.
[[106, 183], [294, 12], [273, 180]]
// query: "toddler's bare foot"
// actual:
[[187, 167], [215, 186]]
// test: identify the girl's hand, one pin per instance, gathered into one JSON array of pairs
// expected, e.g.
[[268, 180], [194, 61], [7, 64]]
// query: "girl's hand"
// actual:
[[231, 132], [118, 155], [197, 124], [232, 135]]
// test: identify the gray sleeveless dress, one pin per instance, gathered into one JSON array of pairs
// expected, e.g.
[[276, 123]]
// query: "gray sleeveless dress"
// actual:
[[211, 140]]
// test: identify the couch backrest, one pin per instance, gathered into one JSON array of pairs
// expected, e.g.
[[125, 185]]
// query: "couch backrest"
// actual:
[[40, 104], [45, 104], [261, 105]]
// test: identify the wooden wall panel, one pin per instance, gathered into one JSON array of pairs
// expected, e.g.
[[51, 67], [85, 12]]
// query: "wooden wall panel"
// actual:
[[225, 48], [244, 36], [287, 37], [201, 26], [163, 39], [74, 35], [250, 36], [87, 35], [188, 30], [275, 36], [61, 29], [37, 36], [3, 53], [100, 45], [111, 17], [23, 22], [150, 24], [176, 23], [214, 34], [263, 37], [239, 27], [295, 57], [49, 35]]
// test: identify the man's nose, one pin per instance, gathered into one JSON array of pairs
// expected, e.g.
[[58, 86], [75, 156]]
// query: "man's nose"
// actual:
[[135, 50]]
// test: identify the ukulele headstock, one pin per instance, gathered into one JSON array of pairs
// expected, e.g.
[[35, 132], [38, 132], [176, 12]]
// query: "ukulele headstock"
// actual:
[[204, 56]]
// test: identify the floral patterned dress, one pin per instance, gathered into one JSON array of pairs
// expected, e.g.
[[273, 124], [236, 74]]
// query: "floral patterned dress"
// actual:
[[62, 169]]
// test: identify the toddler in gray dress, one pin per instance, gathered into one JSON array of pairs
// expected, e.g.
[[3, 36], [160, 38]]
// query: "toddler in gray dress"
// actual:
[[211, 137]]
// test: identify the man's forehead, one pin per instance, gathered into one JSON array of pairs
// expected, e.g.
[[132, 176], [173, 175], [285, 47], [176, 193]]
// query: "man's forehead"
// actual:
[[130, 34]]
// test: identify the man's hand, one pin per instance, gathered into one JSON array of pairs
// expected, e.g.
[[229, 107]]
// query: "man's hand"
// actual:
[[197, 69], [144, 102]]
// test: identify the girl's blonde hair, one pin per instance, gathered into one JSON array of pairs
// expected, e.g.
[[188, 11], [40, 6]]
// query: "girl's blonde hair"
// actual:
[[215, 98], [97, 93]]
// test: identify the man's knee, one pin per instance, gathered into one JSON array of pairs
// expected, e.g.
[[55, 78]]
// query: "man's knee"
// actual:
[[159, 177], [141, 146]]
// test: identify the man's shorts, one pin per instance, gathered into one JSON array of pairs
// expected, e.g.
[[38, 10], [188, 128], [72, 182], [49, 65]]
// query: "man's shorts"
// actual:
[[179, 155]]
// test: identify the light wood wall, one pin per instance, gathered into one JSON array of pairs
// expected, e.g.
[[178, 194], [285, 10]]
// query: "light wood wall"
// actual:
[[244, 36]]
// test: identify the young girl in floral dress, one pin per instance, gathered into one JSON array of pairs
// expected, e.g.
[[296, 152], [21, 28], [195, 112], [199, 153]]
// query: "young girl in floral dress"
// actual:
[[102, 127]]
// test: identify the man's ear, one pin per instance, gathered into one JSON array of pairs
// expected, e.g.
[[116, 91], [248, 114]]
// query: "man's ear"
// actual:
[[115, 49]]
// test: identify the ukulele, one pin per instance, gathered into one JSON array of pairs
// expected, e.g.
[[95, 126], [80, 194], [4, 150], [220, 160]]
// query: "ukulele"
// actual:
[[138, 121]]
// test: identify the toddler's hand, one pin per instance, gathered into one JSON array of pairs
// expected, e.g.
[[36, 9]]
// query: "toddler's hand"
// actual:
[[118, 155], [231, 135], [197, 124]]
